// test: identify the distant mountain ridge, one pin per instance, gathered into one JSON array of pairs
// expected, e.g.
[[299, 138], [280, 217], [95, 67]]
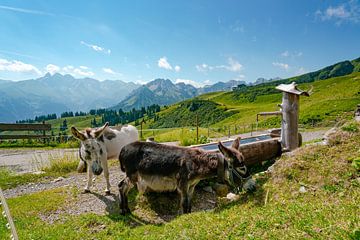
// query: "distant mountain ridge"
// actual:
[[164, 92], [58, 93]]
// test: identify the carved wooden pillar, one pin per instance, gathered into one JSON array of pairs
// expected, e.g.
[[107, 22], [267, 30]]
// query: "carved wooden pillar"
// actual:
[[290, 115]]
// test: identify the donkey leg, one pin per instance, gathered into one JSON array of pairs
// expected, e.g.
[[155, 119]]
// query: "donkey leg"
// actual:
[[124, 188], [106, 174], [89, 179], [184, 196], [190, 195]]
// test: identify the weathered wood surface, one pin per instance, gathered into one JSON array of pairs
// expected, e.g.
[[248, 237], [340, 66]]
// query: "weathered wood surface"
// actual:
[[43, 127], [23, 136], [290, 118], [260, 151], [25, 127]]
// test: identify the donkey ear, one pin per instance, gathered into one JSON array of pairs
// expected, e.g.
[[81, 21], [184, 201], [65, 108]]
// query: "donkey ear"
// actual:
[[236, 143], [224, 150], [100, 130], [77, 134]]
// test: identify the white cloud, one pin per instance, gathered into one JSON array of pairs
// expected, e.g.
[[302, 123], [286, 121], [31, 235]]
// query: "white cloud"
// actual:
[[51, 68], [23, 10], [233, 66], [203, 67], [68, 68], [291, 54], [284, 66], [110, 71], [18, 66], [163, 63], [81, 71], [349, 12], [207, 82], [191, 82], [96, 48]]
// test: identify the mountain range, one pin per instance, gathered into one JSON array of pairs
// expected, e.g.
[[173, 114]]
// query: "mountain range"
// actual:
[[164, 92], [56, 94], [59, 93]]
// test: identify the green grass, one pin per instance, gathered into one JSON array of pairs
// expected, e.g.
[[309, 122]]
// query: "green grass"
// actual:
[[329, 209]]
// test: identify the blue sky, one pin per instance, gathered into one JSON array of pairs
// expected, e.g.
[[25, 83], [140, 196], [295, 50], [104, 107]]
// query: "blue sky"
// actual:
[[198, 41]]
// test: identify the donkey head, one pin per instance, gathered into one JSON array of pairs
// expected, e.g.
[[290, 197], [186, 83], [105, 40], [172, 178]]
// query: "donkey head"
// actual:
[[236, 173], [92, 149]]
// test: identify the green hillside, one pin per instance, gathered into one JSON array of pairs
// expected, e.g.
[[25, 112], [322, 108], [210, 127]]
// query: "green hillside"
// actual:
[[207, 112], [330, 99]]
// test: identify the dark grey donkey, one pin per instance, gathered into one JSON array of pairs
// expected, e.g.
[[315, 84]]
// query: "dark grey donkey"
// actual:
[[159, 168]]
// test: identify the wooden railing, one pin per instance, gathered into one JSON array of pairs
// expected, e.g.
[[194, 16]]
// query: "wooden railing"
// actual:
[[41, 128]]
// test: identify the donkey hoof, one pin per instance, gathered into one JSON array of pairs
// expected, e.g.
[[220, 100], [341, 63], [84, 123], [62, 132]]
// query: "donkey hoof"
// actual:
[[107, 192], [86, 191]]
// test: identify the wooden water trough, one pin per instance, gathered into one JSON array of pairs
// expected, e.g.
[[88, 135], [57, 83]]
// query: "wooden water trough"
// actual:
[[265, 147], [255, 149]]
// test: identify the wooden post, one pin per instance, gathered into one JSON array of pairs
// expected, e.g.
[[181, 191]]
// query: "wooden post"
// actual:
[[141, 132], [197, 128], [289, 126], [290, 115]]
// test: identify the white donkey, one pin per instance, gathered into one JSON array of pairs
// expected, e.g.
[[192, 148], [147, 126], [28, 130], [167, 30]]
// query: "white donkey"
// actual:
[[100, 144]]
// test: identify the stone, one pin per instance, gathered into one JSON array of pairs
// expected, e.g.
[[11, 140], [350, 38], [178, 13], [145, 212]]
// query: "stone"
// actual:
[[58, 179], [302, 189], [208, 189], [232, 197]]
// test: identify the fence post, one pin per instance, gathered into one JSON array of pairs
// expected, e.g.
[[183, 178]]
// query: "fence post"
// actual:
[[252, 128], [229, 132], [197, 129]]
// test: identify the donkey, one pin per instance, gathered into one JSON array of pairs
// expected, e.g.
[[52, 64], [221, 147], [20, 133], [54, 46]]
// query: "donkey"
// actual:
[[159, 168], [100, 144]]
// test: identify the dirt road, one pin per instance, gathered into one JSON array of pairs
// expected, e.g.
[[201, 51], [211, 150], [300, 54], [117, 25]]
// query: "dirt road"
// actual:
[[31, 160]]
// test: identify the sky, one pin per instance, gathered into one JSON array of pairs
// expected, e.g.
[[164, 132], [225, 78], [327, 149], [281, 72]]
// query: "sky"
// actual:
[[192, 41]]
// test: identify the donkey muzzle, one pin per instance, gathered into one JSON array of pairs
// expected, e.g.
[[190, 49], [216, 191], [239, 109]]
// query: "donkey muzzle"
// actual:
[[96, 168]]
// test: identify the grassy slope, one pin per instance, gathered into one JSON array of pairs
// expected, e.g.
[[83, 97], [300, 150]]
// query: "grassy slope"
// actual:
[[331, 99], [328, 210]]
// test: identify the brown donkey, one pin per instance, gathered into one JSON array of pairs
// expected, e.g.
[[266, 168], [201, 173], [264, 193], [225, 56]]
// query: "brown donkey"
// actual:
[[160, 168]]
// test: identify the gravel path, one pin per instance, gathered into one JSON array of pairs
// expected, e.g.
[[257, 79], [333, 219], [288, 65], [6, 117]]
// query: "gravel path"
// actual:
[[31, 160]]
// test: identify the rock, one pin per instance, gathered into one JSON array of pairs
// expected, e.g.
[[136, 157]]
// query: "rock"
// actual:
[[38, 172], [208, 189], [58, 179], [232, 197], [221, 189], [302, 189]]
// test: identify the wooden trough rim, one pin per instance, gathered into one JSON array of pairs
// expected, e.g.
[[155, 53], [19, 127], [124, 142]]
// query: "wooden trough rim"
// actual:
[[230, 140]]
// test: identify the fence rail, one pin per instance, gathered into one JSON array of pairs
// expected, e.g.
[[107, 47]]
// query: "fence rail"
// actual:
[[7, 215]]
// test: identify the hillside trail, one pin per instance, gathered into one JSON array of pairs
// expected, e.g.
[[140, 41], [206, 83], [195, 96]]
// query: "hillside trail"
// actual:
[[99, 203]]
